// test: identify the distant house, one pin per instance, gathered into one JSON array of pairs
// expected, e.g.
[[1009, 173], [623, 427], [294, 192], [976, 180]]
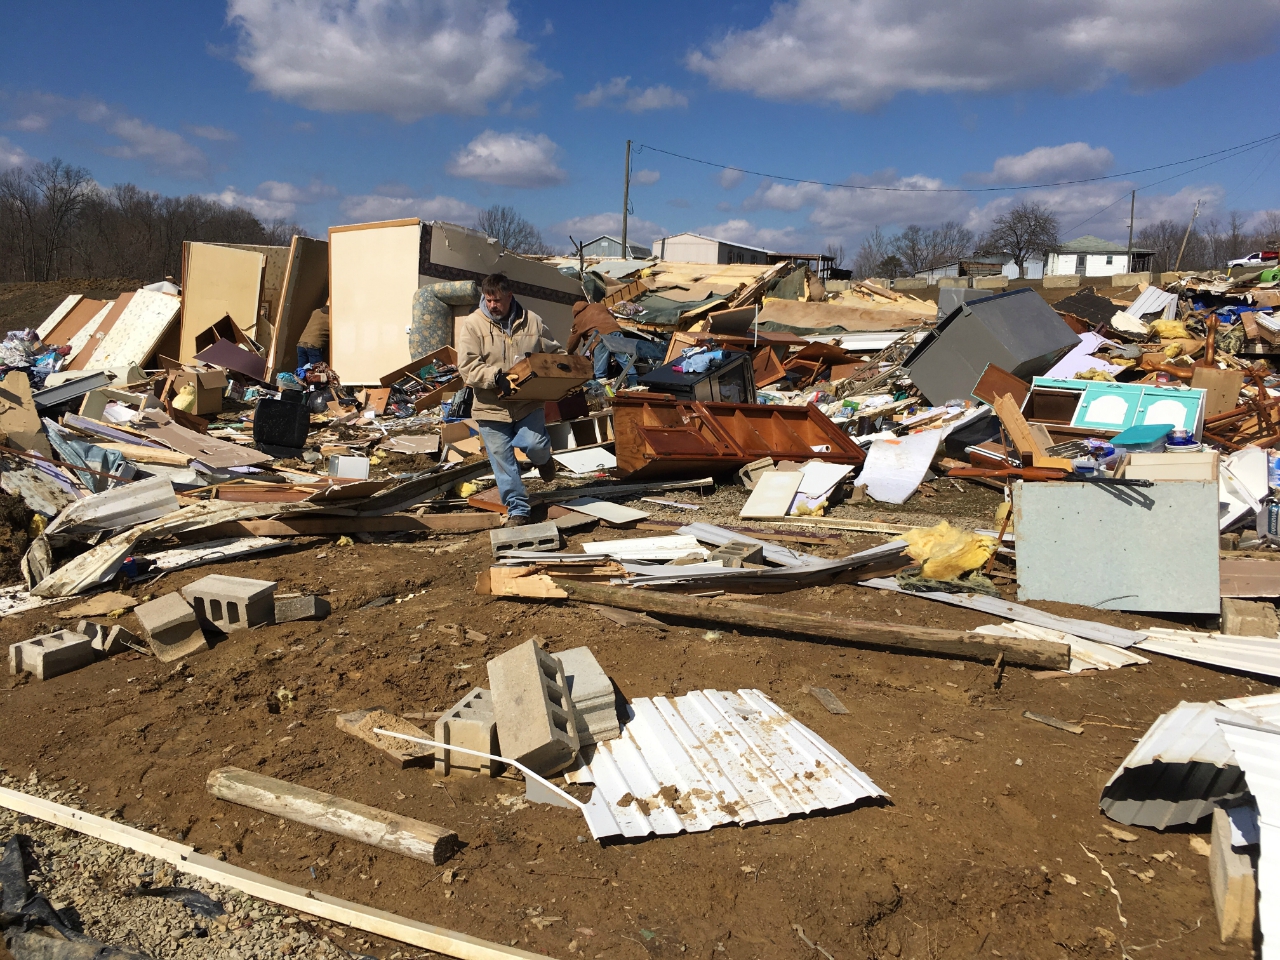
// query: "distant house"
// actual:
[[1091, 256], [610, 248], [695, 248], [983, 266]]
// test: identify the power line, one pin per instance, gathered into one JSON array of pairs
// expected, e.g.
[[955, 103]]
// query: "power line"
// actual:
[[1232, 151]]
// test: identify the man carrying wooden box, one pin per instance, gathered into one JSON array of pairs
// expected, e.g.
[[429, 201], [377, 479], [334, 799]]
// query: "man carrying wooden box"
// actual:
[[491, 341]]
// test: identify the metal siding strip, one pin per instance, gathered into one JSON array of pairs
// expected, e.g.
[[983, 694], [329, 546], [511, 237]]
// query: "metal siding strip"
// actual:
[[643, 785], [717, 779], [604, 816], [717, 743], [672, 766]]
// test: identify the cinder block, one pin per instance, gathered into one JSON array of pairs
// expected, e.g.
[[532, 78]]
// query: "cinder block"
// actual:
[[232, 603], [117, 640], [1233, 881], [533, 710], [910, 283], [953, 281], [1130, 279], [96, 633], [737, 553], [1060, 280], [469, 724], [534, 536], [51, 654], [1248, 618], [594, 704], [997, 282], [171, 628], [309, 607]]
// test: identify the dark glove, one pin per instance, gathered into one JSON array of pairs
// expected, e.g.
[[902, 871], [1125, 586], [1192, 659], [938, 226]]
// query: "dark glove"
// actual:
[[503, 384]]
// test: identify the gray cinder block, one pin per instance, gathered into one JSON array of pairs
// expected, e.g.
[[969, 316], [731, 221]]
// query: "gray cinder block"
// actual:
[[1249, 618], [51, 654], [591, 691], [737, 553], [232, 603], [469, 724], [533, 710], [308, 607], [534, 536], [117, 640], [171, 628]]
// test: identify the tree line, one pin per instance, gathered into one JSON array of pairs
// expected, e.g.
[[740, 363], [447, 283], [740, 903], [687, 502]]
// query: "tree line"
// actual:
[[57, 222]]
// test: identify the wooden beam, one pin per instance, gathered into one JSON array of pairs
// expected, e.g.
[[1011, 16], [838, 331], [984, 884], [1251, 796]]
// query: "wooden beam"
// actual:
[[759, 619], [322, 526], [184, 859], [323, 811]]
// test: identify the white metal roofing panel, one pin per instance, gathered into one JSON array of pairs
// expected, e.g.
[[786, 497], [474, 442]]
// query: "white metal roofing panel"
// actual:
[[1085, 654], [709, 758], [1257, 655], [645, 548], [773, 552], [1264, 707], [1151, 300], [1257, 749]]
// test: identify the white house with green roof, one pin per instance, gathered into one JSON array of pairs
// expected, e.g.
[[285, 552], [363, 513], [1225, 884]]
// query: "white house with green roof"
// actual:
[[1091, 256]]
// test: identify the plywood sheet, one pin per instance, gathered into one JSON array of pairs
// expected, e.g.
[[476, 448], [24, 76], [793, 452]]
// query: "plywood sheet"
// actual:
[[772, 495], [273, 280], [58, 329], [142, 324], [306, 289], [218, 281], [84, 331], [373, 275], [92, 339]]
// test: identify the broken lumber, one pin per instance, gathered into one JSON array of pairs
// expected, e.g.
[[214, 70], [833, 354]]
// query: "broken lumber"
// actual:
[[755, 618], [323, 811], [403, 753], [322, 526], [530, 582], [185, 859]]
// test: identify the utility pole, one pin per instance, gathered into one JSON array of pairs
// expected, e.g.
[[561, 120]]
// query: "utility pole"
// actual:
[[1194, 213], [626, 202], [1128, 254]]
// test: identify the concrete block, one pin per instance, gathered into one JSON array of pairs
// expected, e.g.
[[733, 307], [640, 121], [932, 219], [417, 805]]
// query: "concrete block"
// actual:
[[309, 607], [118, 640], [1169, 277], [1249, 618], [1130, 279], [997, 282], [232, 603], [1060, 280], [171, 628], [533, 710], [534, 536], [1233, 879], [909, 283], [594, 704], [51, 654], [469, 724], [96, 633], [953, 282], [737, 553]]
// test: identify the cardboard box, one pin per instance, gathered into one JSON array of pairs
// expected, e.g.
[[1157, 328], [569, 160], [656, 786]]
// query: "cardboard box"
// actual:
[[211, 385]]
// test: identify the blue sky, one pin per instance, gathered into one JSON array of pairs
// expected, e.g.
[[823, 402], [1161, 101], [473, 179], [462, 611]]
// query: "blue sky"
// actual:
[[337, 111]]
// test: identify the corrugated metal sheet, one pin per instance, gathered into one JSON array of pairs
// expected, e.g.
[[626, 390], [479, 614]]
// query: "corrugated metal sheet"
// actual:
[[711, 758], [773, 552], [1265, 707], [1176, 772], [1085, 654], [1257, 749], [1257, 655], [1089, 629], [1151, 300], [772, 580]]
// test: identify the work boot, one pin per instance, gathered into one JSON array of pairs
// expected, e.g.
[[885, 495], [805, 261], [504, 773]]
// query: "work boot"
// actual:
[[517, 520], [547, 471]]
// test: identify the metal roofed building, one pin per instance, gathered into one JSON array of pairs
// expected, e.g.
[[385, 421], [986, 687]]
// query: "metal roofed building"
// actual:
[[1091, 256], [610, 248], [983, 266], [695, 248]]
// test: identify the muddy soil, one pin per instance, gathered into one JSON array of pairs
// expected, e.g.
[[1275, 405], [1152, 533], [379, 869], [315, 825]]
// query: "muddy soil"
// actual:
[[983, 849]]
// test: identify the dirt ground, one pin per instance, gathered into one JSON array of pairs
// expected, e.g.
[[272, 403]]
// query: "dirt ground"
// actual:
[[983, 850], [27, 304]]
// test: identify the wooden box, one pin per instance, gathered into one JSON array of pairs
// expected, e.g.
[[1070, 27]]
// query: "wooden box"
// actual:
[[548, 376]]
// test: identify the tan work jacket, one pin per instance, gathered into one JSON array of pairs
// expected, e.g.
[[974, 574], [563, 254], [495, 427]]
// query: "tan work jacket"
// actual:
[[485, 350]]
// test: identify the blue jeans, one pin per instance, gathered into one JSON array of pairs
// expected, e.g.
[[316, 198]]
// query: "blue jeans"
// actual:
[[500, 437], [600, 358]]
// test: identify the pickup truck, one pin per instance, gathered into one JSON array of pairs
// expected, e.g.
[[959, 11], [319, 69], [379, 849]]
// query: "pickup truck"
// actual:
[[1255, 259]]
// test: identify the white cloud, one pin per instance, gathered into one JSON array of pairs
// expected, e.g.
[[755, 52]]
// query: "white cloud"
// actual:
[[645, 177], [376, 206], [861, 53], [283, 192], [405, 58], [600, 224], [260, 207], [1070, 161], [509, 160], [618, 92], [12, 155], [730, 178], [160, 149], [212, 133], [31, 123], [747, 233]]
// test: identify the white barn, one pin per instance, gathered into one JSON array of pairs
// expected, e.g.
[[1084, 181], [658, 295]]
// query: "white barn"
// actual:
[[695, 248]]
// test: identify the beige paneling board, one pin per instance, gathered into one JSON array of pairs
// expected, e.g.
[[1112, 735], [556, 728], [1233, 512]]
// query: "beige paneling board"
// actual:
[[105, 323], [306, 289], [273, 280], [140, 328], [60, 311], [88, 330], [373, 275], [73, 322], [217, 281]]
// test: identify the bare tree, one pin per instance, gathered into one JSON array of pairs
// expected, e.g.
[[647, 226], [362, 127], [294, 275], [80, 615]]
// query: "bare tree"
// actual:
[[1268, 233], [836, 252], [1028, 229], [1163, 239], [874, 248], [912, 247], [511, 230], [948, 242], [891, 267], [43, 202]]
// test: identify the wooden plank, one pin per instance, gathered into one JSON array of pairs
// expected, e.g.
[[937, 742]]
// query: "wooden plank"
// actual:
[[667, 526], [996, 382], [827, 699], [1030, 448], [529, 582], [313, 902], [393, 523], [141, 454], [323, 811], [403, 753], [759, 619]]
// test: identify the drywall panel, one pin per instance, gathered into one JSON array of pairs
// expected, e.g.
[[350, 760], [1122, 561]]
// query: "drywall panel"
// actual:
[[373, 275], [104, 324], [134, 337], [218, 281], [77, 343], [61, 310], [1105, 546], [305, 289], [73, 322]]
